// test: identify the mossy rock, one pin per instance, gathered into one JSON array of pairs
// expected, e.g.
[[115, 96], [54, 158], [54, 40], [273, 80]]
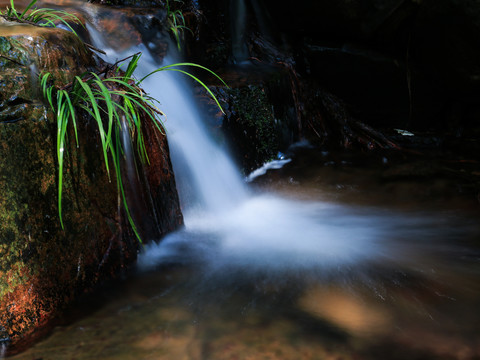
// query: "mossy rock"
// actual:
[[44, 267], [259, 118], [26, 51], [250, 125]]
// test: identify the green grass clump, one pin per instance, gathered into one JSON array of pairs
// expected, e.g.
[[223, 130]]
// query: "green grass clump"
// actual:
[[111, 101], [176, 23], [40, 16]]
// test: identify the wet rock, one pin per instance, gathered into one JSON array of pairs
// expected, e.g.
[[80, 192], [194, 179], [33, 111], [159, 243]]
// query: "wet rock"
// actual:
[[43, 267], [133, 27], [26, 52], [121, 28], [260, 118], [250, 125], [160, 186]]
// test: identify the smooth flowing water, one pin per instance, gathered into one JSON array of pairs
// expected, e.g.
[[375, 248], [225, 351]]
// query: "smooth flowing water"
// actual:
[[284, 271]]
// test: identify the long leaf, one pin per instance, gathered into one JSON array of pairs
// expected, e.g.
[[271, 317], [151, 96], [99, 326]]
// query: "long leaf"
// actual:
[[62, 122], [132, 65], [104, 139], [71, 111], [116, 162], [167, 67], [203, 85], [12, 10], [27, 8], [107, 98]]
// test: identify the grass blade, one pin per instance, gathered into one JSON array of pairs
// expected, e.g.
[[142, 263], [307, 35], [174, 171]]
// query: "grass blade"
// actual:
[[132, 65], [27, 8], [104, 139], [62, 122]]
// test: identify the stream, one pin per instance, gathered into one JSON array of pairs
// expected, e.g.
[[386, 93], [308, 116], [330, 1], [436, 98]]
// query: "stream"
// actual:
[[305, 261]]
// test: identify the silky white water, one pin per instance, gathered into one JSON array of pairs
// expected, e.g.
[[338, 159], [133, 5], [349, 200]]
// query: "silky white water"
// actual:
[[261, 230], [229, 225], [207, 176]]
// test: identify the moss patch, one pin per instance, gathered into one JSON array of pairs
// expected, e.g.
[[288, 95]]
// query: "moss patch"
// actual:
[[250, 125]]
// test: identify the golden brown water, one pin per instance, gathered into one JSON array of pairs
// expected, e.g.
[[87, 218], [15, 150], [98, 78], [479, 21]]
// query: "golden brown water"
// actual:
[[195, 298]]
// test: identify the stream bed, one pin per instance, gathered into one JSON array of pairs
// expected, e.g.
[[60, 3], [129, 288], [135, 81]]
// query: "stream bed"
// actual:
[[312, 266]]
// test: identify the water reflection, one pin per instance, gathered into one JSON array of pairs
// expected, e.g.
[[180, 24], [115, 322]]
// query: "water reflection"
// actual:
[[363, 277], [280, 278]]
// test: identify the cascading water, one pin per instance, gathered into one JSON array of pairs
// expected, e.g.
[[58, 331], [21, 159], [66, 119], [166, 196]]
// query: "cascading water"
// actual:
[[210, 172], [264, 229], [239, 227]]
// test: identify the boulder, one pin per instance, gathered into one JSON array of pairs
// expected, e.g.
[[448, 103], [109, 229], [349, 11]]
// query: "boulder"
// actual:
[[44, 267]]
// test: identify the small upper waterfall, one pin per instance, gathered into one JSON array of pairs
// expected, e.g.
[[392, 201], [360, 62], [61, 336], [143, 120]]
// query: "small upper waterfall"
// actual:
[[212, 182], [238, 22], [206, 176]]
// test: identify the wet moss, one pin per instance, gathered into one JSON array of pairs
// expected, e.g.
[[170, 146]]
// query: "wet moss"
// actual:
[[42, 265], [36, 251], [251, 125]]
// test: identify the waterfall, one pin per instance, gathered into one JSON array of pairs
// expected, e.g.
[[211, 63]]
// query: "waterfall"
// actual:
[[239, 13], [206, 174], [224, 221]]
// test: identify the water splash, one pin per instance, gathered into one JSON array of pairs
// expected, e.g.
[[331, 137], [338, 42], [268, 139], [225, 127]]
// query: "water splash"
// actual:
[[271, 165], [268, 232]]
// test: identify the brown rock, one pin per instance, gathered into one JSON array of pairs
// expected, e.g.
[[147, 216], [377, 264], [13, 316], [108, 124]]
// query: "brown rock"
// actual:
[[43, 267]]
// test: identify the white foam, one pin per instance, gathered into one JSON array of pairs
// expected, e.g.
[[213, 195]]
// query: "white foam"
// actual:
[[272, 165]]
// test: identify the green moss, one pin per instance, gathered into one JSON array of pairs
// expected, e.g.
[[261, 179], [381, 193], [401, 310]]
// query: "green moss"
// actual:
[[35, 253], [251, 125], [42, 265]]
